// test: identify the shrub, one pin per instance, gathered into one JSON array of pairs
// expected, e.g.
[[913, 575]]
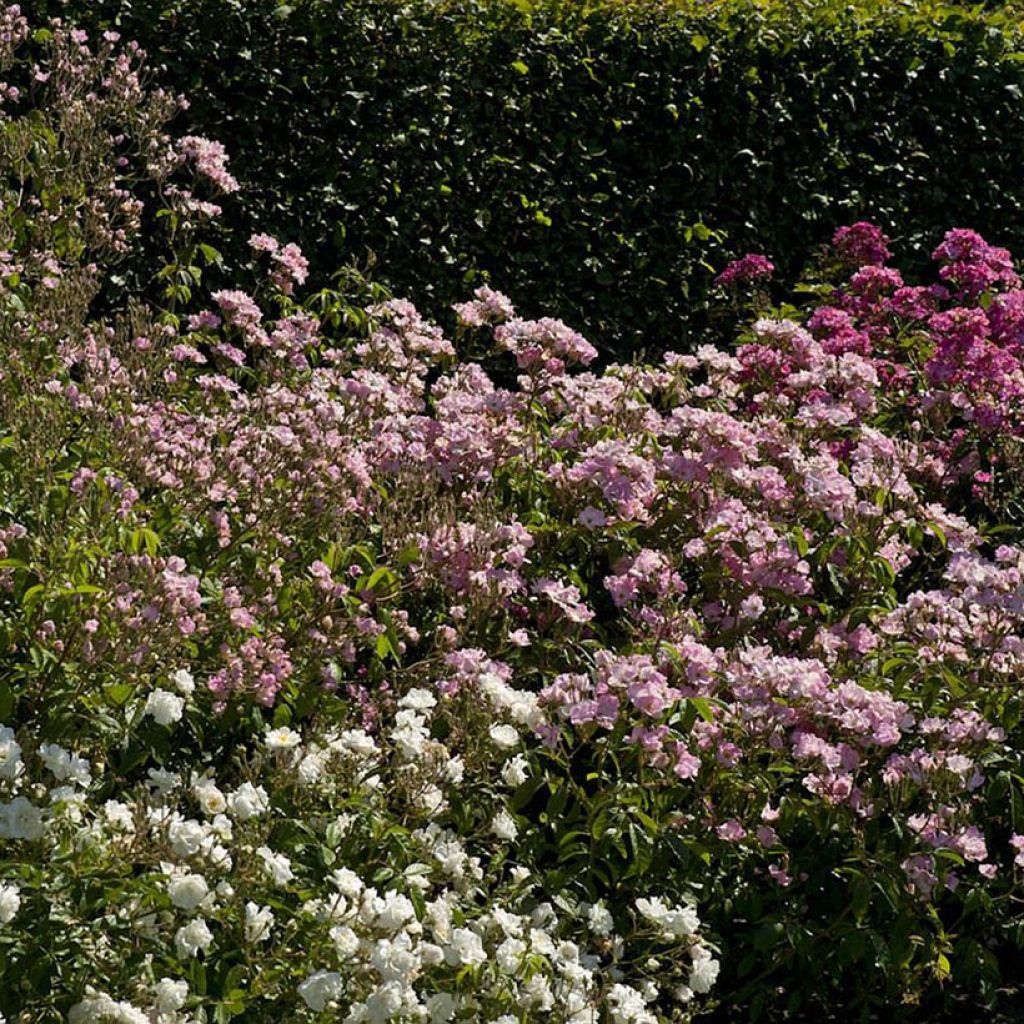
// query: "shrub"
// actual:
[[343, 679], [599, 160]]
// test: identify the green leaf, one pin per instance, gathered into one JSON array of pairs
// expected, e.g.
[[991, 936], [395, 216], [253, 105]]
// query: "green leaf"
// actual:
[[384, 648], [210, 255], [381, 575], [702, 705], [119, 694]]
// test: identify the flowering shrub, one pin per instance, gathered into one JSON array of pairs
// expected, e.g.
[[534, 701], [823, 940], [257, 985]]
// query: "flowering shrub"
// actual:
[[351, 677], [382, 890]]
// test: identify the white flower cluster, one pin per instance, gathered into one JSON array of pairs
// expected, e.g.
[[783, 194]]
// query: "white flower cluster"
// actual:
[[520, 960], [340, 843], [21, 818], [10, 903], [166, 997]]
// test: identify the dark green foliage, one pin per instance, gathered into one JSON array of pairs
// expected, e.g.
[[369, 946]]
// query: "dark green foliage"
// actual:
[[595, 164]]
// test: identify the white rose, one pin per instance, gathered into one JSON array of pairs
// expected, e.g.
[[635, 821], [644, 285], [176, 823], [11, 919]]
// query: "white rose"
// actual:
[[510, 924], [21, 819], [119, 815], [504, 826], [277, 865], [357, 742], [537, 995], [10, 903], [223, 826], [10, 754], [393, 911], [164, 781], [210, 798], [504, 736], [169, 996], [319, 989], [185, 837], [418, 700], [282, 738], [98, 1006], [55, 757], [68, 802], [409, 734], [183, 681], [193, 937], [165, 707], [187, 891], [600, 920], [430, 799], [345, 940], [431, 954], [67, 767], [509, 955], [258, 922], [248, 801], [386, 1002], [516, 771], [347, 882], [683, 993], [704, 972], [441, 1007], [465, 948], [216, 854], [675, 922], [312, 766]]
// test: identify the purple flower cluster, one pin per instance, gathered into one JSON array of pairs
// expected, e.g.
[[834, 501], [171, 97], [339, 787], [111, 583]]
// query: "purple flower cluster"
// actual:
[[861, 245], [746, 270], [972, 266]]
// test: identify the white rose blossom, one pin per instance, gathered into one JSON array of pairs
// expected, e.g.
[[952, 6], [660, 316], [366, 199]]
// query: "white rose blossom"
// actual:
[[165, 707], [10, 902]]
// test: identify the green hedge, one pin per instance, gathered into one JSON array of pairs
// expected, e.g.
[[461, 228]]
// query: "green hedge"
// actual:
[[596, 164]]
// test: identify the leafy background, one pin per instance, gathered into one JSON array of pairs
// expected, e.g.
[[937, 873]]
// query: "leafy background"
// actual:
[[596, 162]]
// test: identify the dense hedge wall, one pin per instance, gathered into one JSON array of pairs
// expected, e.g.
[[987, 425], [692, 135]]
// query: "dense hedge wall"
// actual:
[[596, 163]]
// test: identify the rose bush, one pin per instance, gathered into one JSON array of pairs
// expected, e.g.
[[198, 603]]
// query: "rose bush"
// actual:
[[355, 670]]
